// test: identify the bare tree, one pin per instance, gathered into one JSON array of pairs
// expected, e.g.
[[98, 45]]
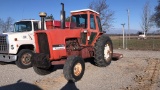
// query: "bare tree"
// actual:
[[50, 17], [68, 19], [156, 15], [1, 25], [8, 25], [106, 15], [146, 18]]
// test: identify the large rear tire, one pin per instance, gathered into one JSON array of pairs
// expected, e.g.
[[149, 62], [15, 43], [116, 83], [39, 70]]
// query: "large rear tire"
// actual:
[[103, 51], [74, 68], [24, 59]]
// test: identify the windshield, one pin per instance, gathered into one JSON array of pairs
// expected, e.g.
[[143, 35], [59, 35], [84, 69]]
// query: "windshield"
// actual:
[[79, 21], [23, 26]]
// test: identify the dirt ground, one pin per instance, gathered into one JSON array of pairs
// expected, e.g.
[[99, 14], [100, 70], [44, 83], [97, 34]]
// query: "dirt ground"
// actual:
[[137, 70], [128, 73]]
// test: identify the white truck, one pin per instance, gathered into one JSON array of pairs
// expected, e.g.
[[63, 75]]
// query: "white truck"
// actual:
[[18, 45]]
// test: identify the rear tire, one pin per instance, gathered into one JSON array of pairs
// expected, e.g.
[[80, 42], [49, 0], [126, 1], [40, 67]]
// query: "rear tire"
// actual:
[[42, 71], [24, 59], [103, 51], [74, 68]]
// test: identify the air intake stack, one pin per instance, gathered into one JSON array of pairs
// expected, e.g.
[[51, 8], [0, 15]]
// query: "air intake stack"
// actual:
[[42, 15], [62, 17]]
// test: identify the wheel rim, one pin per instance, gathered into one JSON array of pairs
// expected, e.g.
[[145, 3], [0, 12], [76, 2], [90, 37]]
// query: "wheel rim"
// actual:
[[107, 51], [77, 69], [26, 59]]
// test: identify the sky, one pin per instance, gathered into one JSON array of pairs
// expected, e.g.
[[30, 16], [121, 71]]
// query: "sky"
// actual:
[[29, 9]]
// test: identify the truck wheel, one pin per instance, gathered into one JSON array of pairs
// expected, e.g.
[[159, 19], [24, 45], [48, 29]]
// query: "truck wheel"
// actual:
[[24, 59], [42, 71], [103, 51], [74, 68]]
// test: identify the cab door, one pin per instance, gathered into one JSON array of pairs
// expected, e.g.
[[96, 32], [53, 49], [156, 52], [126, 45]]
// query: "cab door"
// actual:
[[82, 23], [93, 31]]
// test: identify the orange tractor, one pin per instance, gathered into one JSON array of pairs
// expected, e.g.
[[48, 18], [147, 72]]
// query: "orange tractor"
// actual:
[[70, 45]]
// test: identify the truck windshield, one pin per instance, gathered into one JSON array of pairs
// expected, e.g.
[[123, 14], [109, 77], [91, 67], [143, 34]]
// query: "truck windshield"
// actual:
[[23, 26], [79, 21]]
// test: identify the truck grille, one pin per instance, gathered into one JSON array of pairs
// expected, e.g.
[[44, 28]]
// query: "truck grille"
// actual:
[[43, 43], [4, 44]]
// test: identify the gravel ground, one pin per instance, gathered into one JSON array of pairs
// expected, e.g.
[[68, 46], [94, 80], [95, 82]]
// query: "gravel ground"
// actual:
[[137, 70]]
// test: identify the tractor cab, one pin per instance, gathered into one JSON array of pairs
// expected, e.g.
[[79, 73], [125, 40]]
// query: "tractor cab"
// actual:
[[90, 23], [86, 19]]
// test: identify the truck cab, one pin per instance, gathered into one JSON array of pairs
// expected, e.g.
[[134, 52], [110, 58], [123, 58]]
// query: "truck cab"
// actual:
[[18, 45]]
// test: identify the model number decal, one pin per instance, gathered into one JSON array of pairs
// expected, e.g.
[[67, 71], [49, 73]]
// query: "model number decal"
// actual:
[[58, 47], [24, 37]]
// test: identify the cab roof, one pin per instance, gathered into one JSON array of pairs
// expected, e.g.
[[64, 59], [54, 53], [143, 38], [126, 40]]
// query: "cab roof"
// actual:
[[28, 20], [84, 10]]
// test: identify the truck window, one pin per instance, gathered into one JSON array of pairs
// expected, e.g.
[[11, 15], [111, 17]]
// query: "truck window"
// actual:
[[79, 21], [23, 26], [92, 22], [99, 24], [35, 24]]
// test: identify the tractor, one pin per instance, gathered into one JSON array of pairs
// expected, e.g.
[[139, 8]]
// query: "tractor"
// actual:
[[70, 45]]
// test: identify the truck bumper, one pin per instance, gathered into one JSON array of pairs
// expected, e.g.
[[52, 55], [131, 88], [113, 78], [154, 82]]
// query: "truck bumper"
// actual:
[[8, 58]]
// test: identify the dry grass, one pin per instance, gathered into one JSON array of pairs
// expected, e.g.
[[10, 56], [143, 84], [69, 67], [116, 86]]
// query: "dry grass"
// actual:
[[151, 43]]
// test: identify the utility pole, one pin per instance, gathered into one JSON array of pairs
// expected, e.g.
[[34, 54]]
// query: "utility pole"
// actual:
[[126, 39], [123, 34], [128, 12]]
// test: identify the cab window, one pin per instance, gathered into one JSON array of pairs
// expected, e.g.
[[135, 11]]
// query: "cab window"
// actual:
[[23, 26], [35, 26], [79, 21], [99, 24], [92, 22]]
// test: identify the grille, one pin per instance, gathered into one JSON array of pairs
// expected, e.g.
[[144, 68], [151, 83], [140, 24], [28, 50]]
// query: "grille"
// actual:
[[3, 44], [43, 43]]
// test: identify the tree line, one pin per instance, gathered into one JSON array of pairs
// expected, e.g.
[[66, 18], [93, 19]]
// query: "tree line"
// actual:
[[156, 15], [6, 25]]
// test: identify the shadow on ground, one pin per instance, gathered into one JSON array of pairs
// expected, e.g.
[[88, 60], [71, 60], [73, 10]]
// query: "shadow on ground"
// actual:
[[5, 63], [91, 61], [20, 86], [70, 86], [114, 59], [57, 67]]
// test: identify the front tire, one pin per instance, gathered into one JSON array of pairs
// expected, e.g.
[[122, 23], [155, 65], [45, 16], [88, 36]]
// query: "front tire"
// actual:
[[103, 51], [24, 59], [74, 68]]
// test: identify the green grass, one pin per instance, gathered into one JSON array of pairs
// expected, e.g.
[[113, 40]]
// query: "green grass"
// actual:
[[135, 44]]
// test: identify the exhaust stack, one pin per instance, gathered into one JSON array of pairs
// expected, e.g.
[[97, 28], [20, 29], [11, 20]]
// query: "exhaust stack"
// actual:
[[62, 17], [42, 15]]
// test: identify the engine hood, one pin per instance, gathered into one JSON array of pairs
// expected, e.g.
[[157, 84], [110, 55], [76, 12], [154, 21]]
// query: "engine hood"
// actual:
[[19, 35]]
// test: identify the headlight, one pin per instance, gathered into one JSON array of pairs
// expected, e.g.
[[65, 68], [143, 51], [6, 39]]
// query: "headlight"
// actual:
[[12, 47]]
